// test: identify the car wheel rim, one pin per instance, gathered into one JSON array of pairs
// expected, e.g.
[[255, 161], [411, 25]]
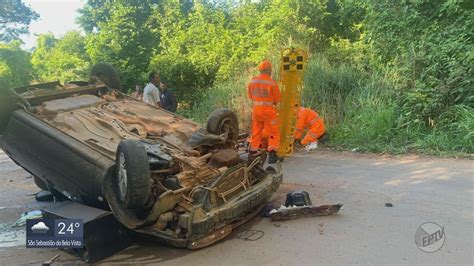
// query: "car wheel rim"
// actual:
[[122, 177]]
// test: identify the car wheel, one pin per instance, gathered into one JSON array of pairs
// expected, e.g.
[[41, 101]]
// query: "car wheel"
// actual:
[[107, 74], [40, 183], [222, 121], [132, 186]]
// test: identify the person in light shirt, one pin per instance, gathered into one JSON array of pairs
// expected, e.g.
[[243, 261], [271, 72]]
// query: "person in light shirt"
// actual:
[[151, 94]]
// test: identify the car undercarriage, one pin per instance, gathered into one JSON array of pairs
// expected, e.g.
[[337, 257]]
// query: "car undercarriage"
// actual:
[[159, 173]]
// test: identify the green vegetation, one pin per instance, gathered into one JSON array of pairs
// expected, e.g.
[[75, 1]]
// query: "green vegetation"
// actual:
[[387, 76], [62, 59], [15, 66], [15, 17]]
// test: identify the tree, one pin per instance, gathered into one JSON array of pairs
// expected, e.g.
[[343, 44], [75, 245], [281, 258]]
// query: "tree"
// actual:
[[94, 13], [327, 20], [126, 39], [15, 17], [42, 54], [15, 67], [63, 59]]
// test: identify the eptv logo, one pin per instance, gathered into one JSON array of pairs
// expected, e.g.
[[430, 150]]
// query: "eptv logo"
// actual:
[[430, 237]]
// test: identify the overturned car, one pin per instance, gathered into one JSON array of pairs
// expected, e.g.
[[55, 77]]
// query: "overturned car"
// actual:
[[159, 173]]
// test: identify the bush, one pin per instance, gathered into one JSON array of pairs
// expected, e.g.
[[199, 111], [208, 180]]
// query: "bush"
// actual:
[[370, 121], [230, 94], [429, 50], [455, 132], [183, 77], [326, 88]]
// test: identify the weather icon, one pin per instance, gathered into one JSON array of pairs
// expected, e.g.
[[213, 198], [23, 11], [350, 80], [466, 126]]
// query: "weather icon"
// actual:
[[40, 227]]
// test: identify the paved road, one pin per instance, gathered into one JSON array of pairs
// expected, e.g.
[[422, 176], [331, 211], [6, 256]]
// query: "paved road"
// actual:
[[365, 231]]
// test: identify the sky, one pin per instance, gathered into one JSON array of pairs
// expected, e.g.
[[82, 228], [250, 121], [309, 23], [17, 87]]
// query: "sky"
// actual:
[[56, 16]]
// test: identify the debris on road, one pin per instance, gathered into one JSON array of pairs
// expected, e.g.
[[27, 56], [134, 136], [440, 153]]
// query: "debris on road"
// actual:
[[289, 213], [298, 205], [321, 228], [388, 204], [49, 262], [298, 198], [37, 214], [266, 210]]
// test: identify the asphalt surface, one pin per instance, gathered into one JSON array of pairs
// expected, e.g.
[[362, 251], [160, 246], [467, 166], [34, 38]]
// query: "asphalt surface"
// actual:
[[366, 231]]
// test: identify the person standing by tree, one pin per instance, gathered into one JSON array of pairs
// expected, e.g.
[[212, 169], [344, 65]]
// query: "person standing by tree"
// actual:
[[265, 95], [167, 98], [151, 94]]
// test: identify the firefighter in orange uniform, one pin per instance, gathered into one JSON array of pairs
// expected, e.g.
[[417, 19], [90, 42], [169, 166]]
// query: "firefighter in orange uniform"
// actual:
[[265, 95], [311, 121]]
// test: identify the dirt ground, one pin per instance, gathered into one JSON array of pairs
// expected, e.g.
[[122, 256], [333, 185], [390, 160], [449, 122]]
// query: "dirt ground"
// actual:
[[365, 231]]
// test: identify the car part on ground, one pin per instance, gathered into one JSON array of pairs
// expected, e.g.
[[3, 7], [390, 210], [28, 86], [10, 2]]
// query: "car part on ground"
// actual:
[[294, 212], [36, 214], [297, 198]]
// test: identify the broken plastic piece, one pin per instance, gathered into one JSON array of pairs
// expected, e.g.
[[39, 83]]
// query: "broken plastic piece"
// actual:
[[37, 214]]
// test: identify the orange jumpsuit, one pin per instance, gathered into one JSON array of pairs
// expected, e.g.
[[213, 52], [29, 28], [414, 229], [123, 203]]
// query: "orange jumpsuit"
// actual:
[[309, 119], [265, 94]]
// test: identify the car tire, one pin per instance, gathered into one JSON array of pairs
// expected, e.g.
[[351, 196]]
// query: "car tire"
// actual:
[[40, 183], [107, 74], [132, 186], [222, 121]]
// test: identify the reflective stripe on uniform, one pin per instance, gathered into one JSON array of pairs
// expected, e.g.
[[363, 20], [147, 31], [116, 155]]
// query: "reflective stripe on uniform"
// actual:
[[263, 103], [259, 92], [313, 135], [262, 81], [299, 129]]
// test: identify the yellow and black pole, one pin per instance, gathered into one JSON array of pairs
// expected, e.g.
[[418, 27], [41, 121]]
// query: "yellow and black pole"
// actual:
[[292, 66]]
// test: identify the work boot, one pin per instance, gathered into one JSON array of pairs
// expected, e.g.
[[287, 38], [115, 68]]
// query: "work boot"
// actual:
[[272, 157]]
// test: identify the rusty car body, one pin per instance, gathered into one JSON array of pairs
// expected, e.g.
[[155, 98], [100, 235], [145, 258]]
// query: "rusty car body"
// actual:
[[160, 174]]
